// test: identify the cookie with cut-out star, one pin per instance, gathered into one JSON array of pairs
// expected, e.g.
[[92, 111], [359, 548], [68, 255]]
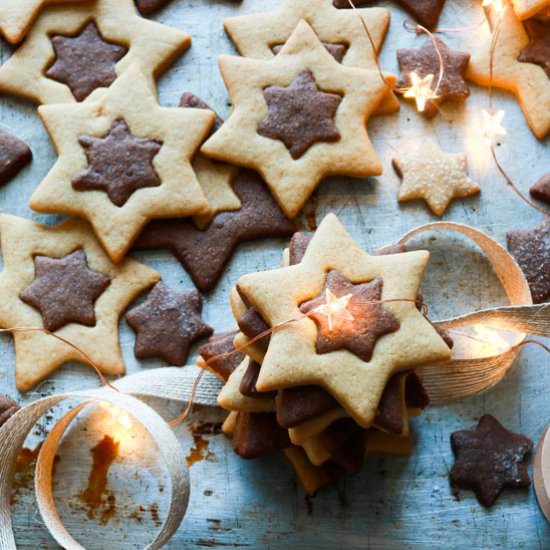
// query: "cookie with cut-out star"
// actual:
[[426, 12], [541, 189], [528, 8], [219, 355], [123, 160], [167, 323], [433, 175], [205, 253], [527, 80], [17, 16], [59, 278], [298, 118], [74, 54], [14, 156], [425, 61], [531, 250], [292, 358], [538, 49], [489, 459]]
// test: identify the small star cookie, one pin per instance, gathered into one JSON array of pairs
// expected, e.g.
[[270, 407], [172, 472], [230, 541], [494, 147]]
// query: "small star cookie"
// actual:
[[60, 278], [527, 81], [148, 7], [425, 61], [292, 360], [17, 16], [123, 160], [489, 459], [434, 176], [73, 54], [268, 94], [528, 8], [167, 323], [541, 189], [14, 156]]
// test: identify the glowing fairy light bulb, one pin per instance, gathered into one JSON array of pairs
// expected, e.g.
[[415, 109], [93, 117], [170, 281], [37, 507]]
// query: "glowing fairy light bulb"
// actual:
[[492, 127], [335, 308], [498, 6], [420, 90]]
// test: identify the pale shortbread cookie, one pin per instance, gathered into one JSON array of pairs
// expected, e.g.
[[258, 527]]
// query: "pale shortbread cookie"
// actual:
[[17, 16], [433, 175], [315, 426], [151, 45], [181, 132], [228, 427], [38, 354], [291, 359], [528, 8], [527, 81], [292, 180], [256, 34], [231, 399], [215, 179]]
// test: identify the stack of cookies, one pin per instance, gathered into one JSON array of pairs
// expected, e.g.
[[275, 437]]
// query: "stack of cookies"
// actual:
[[322, 364]]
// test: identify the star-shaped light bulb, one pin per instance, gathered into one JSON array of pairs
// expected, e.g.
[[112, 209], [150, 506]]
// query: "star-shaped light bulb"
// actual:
[[420, 90], [335, 308], [492, 126], [497, 5]]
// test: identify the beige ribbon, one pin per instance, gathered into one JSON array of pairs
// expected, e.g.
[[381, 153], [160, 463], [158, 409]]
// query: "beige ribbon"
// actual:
[[169, 383], [474, 369]]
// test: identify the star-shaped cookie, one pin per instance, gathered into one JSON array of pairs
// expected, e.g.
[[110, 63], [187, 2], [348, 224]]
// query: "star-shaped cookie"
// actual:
[[204, 253], [292, 360], [148, 7], [527, 81], [26, 247], [250, 82], [427, 12], [123, 160], [257, 34], [433, 175], [541, 189], [425, 61], [14, 156], [531, 249], [490, 459], [167, 323], [17, 16], [527, 8], [80, 62]]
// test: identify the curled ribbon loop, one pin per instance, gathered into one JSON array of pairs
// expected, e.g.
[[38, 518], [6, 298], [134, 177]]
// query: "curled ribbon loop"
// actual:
[[476, 367]]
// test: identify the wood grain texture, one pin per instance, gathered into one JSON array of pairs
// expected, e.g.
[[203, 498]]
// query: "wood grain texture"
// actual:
[[394, 503]]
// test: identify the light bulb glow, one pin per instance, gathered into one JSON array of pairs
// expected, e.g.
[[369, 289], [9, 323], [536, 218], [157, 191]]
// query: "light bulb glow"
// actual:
[[492, 127], [420, 90], [335, 308]]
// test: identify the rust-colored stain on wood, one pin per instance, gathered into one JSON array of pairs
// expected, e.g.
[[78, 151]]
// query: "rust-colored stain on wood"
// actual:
[[24, 471], [104, 454], [199, 451]]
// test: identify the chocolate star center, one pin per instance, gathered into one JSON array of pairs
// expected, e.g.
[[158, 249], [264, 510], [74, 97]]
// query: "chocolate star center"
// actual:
[[300, 115], [119, 164], [85, 62], [538, 49], [359, 319], [65, 290]]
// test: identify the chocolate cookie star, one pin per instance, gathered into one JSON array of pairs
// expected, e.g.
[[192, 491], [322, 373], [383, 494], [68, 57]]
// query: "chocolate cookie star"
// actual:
[[7, 409], [220, 345], [148, 7], [366, 323], [167, 323], [541, 189], [85, 62], [427, 12], [531, 249], [490, 459], [300, 115], [425, 61], [538, 50], [65, 290], [119, 163], [14, 156], [204, 254]]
